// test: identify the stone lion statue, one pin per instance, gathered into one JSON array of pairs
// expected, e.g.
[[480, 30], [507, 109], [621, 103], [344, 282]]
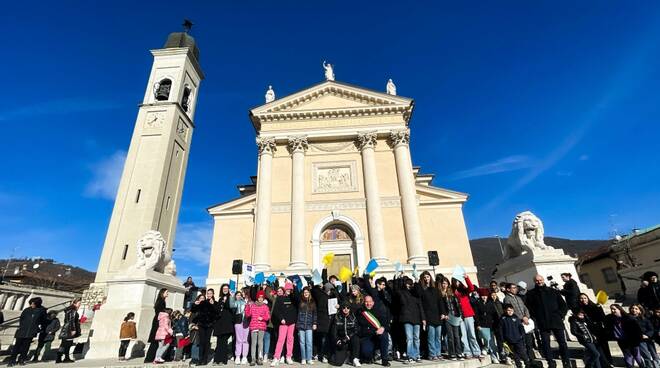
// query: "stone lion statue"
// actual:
[[152, 254], [526, 235]]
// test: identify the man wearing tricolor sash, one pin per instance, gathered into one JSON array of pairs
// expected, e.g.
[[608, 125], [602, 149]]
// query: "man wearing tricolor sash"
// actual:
[[374, 326]]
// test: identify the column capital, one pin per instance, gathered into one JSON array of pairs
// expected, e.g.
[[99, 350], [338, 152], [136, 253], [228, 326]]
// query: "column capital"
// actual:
[[367, 140], [398, 137], [297, 144], [266, 145]]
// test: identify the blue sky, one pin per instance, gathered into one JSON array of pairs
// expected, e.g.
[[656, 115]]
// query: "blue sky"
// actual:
[[548, 106]]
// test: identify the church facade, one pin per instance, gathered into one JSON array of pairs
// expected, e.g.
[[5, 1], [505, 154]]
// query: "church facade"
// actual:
[[335, 175]]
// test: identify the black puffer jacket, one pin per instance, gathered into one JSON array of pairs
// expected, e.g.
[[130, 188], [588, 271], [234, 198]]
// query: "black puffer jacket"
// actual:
[[285, 309], [632, 333], [203, 314], [31, 321], [583, 329], [431, 304], [546, 307], [344, 327], [410, 306], [71, 325], [486, 314]]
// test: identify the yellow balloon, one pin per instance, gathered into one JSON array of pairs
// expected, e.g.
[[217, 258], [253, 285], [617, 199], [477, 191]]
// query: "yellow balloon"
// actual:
[[601, 297], [327, 259], [345, 274]]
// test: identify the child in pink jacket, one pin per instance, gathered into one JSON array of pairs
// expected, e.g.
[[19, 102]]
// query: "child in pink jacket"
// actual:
[[259, 314], [163, 334]]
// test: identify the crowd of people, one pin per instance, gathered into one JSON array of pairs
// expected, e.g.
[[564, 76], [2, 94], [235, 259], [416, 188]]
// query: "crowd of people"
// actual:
[[36, 321], [366, 320]]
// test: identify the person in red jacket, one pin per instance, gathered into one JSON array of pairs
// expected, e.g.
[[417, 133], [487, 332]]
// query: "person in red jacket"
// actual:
[[462, 289]]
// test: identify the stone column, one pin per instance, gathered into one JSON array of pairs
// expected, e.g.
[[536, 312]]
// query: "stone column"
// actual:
[[297, 147], [3, 297], [367, 143], [400, 141], [264, 192]]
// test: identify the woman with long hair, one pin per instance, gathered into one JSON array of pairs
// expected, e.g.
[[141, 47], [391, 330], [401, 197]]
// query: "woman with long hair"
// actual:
[[452, 321], [223, 328], [647, 346], [434, 311], [241, 328], [306, 325], [70, 330], [159, 306], [625, 330], [596, 315]]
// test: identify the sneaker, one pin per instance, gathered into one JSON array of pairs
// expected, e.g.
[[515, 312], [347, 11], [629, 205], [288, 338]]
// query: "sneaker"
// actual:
[[356, 362], [244, 361], [260, 362], [386, 363], [325, 360], [310, 362], [408, 361], [237, 361], [460, 357], [303, 362], [289, 360], [453, 357], [253, 363], [282, 360], [275, 363]]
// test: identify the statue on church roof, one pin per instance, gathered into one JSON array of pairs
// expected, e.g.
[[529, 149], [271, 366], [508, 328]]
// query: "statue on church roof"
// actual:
[[270, 94], [329, 72], [391, 88]]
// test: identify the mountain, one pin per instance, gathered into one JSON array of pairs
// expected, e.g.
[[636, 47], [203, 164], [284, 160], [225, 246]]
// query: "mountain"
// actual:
[[45, 273], [486, 252]]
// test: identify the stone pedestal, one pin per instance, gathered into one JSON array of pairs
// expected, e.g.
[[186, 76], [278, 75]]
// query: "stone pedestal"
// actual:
[[546, 262], [135, 293]]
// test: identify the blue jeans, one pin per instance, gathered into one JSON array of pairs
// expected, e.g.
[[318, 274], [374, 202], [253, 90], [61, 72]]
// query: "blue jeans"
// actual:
[[412, 340], [194, 352], [306, 344], [488, 341], [266, 343], [435, 340], [469, 338]]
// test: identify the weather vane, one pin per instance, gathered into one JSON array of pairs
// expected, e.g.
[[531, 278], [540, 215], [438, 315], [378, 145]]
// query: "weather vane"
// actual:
[[187, 25]]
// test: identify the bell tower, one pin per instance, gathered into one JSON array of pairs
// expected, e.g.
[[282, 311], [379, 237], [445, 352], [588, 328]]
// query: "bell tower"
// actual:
[[149, 194]]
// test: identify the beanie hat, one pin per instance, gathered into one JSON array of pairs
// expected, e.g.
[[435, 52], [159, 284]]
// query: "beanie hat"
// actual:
[[261, 293], [483, 292], [522, 284], [288, 286], [328, 286]]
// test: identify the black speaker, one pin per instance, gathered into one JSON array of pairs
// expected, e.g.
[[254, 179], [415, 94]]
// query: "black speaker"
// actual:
[[433, 258], [237, 267]]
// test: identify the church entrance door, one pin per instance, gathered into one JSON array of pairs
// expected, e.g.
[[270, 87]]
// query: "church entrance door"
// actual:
[[339, 240]]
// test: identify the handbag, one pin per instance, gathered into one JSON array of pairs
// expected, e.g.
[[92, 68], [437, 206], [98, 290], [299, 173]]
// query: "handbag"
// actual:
[[182, 343]]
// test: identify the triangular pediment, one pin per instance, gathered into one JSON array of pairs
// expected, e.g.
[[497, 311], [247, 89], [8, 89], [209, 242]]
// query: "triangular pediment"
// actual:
[[434, 195], [331, 98], [235, 206]]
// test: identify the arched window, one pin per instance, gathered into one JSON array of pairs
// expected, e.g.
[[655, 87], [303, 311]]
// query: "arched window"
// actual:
[[162, 90], [187, 98], [336, 233]]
